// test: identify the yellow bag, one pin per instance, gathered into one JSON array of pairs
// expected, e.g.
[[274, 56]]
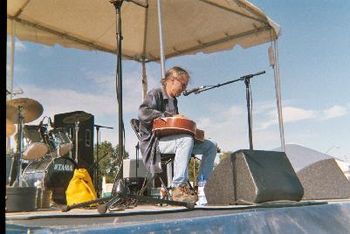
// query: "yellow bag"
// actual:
[[80, 188]]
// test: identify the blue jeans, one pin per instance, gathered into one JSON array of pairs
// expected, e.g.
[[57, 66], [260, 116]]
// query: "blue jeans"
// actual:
[[183, 146]]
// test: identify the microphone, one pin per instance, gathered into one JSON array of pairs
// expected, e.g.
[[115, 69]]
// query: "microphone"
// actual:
[[194, 90], [41, 122], [51, 123]]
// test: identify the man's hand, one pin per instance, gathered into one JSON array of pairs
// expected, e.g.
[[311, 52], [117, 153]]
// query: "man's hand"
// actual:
[[167, 114], [180, 116]]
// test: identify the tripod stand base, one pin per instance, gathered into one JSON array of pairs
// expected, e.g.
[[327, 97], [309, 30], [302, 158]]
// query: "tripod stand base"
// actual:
[[111, 200], [102, 209]]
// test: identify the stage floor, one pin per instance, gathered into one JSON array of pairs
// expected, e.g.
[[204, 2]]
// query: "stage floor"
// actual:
[[158, 219]]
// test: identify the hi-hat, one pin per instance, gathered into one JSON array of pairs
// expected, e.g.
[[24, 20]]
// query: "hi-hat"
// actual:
[[10, 128], [82, 116], [31, 109]]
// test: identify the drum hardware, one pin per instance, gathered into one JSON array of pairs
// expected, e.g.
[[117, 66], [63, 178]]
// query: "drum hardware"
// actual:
[[40, 141], [76, 119], [21, 110], [76, 128], [60, 141]]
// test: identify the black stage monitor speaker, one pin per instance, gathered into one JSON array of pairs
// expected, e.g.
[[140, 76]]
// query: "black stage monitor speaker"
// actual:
[[85, 137], [325, 179], [253, 176]]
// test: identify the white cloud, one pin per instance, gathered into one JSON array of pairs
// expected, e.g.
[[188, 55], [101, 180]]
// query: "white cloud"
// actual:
[[230, 130], [267, 116], [132, 89], [294, 114], [102, 104], [290, 115], [102, 101], [230, 127], [265, 124], [334, 112], [66, 100]]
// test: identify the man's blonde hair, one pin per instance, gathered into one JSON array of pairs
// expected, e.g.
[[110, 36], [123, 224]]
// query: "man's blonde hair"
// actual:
[[174, 72]]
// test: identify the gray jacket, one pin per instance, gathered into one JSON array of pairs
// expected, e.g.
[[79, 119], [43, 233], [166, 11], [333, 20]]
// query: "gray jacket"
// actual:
[[156, 104]]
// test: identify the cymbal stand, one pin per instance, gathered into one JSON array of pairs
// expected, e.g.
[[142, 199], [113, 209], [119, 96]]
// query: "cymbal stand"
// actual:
[[76, 128], [17, 163]]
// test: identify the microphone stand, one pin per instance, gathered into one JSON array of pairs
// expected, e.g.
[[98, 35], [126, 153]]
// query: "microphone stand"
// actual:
[[97, 173], [118, 5], [246, 80]]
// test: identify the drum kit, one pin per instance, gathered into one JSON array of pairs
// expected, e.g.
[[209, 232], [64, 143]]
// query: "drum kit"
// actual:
[[45, 148]]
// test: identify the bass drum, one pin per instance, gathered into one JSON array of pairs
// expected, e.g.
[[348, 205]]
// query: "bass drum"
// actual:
[[54, 173]]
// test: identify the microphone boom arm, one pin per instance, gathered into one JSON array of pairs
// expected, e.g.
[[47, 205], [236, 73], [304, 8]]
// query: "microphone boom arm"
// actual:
[[229, 82], [246, 80]]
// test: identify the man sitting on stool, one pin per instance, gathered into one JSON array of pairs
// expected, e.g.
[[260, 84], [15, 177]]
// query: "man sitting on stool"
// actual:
[[162, 102]]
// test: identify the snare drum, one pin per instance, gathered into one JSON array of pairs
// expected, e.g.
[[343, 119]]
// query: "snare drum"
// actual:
[[60, 141], [35, 140]]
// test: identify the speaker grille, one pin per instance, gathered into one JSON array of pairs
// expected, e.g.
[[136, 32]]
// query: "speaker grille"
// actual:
[[253, 176], [324, 180], [85, 139]]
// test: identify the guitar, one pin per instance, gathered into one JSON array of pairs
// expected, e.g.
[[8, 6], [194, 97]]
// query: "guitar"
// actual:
[[177, 125]]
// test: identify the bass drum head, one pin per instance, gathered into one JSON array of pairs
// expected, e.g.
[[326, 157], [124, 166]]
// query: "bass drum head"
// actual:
[[35, 151], [59, 173], [55, 173]]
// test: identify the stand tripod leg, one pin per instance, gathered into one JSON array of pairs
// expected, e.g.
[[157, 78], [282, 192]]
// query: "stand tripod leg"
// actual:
[[157, 200], [103, 207], [84, 204], [97, 178], [76, 141]]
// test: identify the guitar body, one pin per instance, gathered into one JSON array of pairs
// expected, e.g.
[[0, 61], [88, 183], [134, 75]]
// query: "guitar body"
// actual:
[[177, 125]]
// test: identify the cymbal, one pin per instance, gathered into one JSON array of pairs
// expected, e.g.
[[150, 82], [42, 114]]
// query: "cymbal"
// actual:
[[31, 109], [10, 128], [76, 117]]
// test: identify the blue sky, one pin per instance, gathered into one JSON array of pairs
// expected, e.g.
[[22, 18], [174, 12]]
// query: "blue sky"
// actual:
[[314, 55]]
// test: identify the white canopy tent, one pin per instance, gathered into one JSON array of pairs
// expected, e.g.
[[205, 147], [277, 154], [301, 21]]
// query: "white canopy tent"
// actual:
[[162, 30]]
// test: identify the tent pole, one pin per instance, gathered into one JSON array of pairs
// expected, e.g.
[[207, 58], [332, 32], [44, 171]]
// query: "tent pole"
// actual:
[[161, 40], [12, 57], [144, 80], [278, 94]]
